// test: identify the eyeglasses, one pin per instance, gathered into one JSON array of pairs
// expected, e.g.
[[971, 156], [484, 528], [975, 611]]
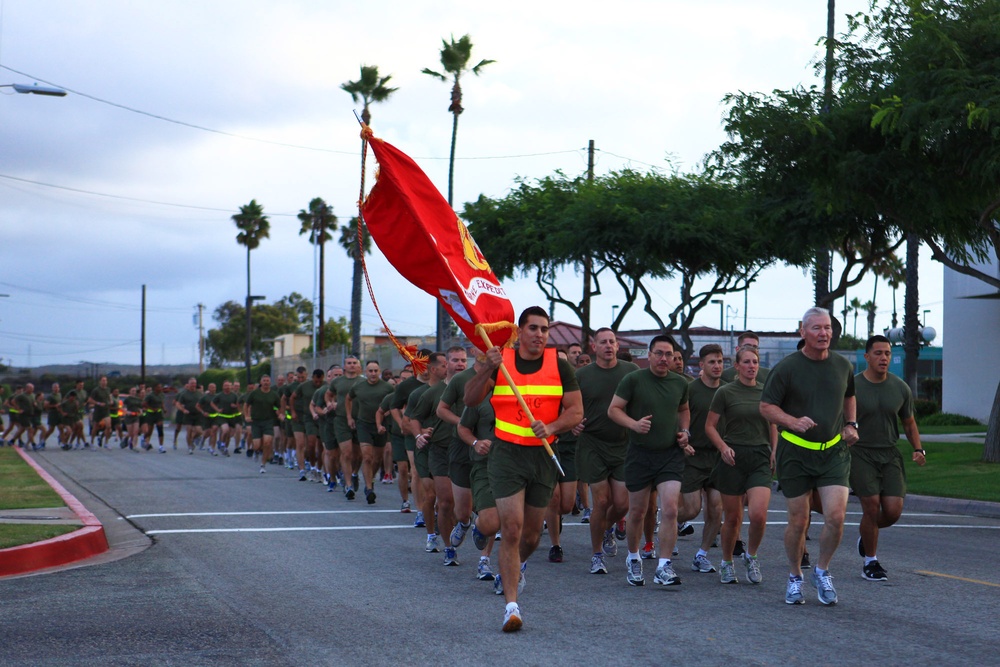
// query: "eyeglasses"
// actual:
[[659, 354]]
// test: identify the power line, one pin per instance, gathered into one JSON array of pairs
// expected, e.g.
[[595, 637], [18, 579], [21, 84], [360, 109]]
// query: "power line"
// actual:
[[92, 302]]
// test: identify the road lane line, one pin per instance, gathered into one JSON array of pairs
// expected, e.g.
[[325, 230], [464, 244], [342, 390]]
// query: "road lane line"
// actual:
[[952, 576], [289, 529], [183, 514]]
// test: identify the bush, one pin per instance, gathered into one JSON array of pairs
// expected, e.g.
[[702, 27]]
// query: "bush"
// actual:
[[923, 408], [948, 419]]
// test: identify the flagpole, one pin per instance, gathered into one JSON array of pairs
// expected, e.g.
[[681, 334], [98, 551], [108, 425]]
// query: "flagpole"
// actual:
[[521, 401]]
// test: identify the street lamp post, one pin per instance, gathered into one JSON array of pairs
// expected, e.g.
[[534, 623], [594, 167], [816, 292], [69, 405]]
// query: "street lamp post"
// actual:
[[719, 301], [614, 312]]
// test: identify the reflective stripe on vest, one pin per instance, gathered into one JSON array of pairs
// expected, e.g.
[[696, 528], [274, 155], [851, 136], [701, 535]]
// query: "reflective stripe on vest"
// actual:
[[542, 391], [809, 444]]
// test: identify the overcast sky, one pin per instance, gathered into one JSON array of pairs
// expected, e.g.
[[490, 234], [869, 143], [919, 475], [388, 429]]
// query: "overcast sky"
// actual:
[[97, 200]]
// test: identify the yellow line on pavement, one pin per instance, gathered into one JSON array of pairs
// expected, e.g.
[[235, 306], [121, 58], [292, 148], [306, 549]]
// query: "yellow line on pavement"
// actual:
[[951, 576]]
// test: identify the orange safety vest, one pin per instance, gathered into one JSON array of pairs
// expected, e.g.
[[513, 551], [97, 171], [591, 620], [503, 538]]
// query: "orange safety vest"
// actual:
[[542, 391]]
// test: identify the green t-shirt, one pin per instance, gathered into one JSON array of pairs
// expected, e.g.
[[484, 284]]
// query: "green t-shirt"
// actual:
[[740, 407], [25, 403], [286, 393], [368, 397], [661, 397], [133, 404], [803, 387], [340, 388], [879, 404], [319, 400], [205, 404], [54, 400], [425, 411], [101, 398], [413, 400], [153, 402], [227, 404], [387, 421], [401, 395], [597, 387], [263, 404], [302, 396], [481, 420], [188, 399], [700, 401], [454, 393]]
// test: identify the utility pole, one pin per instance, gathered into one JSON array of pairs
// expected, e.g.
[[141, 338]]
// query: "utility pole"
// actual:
[[821, 272], [201, 339], [588, 266], [142, 366]]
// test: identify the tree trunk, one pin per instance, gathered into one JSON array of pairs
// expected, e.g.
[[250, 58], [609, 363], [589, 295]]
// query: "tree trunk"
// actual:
[[248, 304], [443, 319], [356, 304], [911, 304], [320, 346], [991, 450]]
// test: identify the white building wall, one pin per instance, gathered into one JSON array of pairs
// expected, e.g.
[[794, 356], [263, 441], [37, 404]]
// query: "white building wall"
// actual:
[[971, 363]]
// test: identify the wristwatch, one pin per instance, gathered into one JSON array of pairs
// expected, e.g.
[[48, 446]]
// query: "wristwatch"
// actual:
[[854, 424]]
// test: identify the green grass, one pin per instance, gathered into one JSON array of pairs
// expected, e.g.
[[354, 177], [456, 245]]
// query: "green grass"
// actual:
[[20, 485], [953, 470], [16, 534]]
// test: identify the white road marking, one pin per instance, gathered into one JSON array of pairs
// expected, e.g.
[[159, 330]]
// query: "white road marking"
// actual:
[[304, 512]]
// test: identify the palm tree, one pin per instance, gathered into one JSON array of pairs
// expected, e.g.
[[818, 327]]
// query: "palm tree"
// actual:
[[870, 308], [253, 226], [455, 58], [856, 307], [317, 221], [369, 88], [351, 240]]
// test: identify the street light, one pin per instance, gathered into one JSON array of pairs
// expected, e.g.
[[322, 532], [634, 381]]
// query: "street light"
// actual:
[[250, 300], [719, 301], [926, 310], [51, 91], [614, 312]]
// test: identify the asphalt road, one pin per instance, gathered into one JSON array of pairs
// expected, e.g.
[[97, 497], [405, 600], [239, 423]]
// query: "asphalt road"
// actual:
[[215, 564]]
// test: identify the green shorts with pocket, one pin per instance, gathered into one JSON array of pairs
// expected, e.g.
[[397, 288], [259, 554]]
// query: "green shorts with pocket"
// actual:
[[398, 448], [482, 492], [459, 463], [261, 428], [597, 460], [515, 468], [699, 470], [801, 470], [648, 468], [753, 468], [368, 434], [878, 471]]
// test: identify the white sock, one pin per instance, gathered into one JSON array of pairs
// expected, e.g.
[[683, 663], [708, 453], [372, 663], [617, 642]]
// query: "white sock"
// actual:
[[701, 552], [633, 556], [869, 559]]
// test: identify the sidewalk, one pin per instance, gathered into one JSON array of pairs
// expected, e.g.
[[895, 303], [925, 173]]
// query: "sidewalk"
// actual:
[[90, 540]]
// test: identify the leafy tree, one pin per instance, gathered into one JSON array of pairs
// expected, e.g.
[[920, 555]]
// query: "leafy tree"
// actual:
[[369, 88], [317, 221], [357, 242], [224, 344], [634, 227], [455, 58], [335, 332]]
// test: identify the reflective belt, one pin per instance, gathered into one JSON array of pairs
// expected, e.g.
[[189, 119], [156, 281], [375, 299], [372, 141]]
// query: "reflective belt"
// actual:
[[808, 444], [515, 429]]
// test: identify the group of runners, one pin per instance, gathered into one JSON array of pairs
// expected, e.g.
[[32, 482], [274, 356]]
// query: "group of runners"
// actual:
[[639, 448]]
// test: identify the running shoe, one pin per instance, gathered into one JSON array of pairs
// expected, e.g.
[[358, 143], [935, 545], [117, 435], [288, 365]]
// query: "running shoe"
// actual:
[[824, 587], [512, 618], [163, 450], [633, 575], [727, 573], [793, 593], [647, 552], [586, 515], [331, 485], [478, 538], [556, 554], [348, 493], [754, 575], [597, 564], [404, 508], [610, 546], [497, 585], [458, 533], [861, 548], [484, 572], [666, 576], [450, 556], [738, 548], [418, 521], [685, 529], [433, 545], [354, 481], [620, 530], [873, 572], [262, 470], [370, 496], [302, 475], [702, 564], [805, 561]]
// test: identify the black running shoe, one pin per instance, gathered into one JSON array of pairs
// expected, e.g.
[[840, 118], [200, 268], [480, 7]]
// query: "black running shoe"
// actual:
[[805, 561], [738, 548], [861, 548], [555, 554], [874, 572]]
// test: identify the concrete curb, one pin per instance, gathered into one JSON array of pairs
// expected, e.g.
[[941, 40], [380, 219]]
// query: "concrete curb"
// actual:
[[80, 544]]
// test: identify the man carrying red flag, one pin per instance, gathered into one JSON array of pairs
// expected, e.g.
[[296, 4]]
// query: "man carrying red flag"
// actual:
[[521, 474]]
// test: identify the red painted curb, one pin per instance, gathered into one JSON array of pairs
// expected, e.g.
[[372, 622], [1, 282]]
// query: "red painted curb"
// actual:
[[80, 544]]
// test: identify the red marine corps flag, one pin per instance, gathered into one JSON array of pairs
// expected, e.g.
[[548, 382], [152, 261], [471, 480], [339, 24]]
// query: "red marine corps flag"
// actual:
[[422, 237]]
